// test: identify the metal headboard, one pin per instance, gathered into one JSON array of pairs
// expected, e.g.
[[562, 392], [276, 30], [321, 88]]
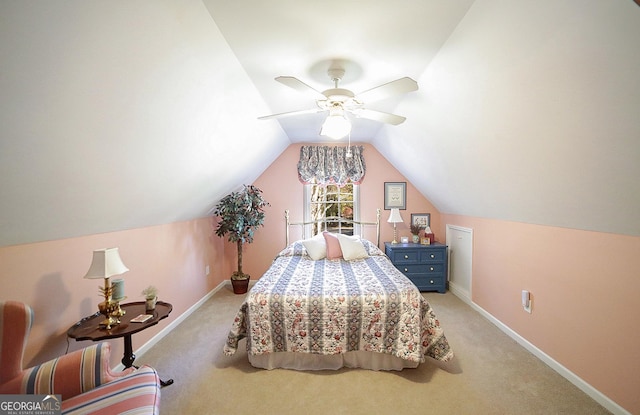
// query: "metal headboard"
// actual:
[[332, 219]]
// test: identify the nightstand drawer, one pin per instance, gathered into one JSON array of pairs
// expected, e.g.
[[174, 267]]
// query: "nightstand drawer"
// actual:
[[429, 283], [405, 256], [435, 255], [436, 269]]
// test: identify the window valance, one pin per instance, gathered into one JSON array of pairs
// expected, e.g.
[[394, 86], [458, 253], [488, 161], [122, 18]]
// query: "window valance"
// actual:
[[324, 165]]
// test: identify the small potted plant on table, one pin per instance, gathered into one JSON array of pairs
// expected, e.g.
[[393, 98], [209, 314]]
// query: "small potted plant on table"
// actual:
[[240, 213], [151, 297]]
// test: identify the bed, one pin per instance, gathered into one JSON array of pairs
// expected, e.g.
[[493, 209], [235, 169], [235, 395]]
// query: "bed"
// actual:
[[335, 301]]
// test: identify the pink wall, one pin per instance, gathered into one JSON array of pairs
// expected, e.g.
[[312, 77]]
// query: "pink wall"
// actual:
[[283, 191], [584, 287], [48, 277], [584, 284]]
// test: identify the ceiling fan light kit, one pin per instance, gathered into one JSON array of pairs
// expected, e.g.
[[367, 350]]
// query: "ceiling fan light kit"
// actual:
[[339, 101], [336, 125]]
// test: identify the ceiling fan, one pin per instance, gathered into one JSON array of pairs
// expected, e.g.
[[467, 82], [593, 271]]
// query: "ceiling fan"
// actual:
[[339, 101]]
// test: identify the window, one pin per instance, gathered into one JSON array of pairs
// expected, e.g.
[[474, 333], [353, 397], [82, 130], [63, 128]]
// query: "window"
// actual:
[[331, 202]]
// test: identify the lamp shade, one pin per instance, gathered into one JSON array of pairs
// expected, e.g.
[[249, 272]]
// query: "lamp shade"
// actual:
[[394, 216], [106, 263], [336, 125]]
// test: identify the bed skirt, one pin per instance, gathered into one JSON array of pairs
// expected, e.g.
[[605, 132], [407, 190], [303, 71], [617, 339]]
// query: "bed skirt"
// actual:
[[304, 361]]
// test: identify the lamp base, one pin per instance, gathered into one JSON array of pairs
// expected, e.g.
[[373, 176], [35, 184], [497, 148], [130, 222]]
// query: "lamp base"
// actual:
[[112, 312], [110, 308]]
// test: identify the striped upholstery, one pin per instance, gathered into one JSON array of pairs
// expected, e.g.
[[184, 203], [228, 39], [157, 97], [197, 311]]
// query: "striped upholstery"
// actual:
[[83, 377], [15, 324], [67, 375], [138, 393]]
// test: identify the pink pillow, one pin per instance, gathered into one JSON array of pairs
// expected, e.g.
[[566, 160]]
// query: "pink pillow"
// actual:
[[333, 245]]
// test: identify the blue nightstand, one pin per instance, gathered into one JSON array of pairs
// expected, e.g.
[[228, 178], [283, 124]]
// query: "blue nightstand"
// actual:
[[424, 265]]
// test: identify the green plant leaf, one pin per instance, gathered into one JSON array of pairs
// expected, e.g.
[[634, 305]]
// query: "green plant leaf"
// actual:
[[240, 213]]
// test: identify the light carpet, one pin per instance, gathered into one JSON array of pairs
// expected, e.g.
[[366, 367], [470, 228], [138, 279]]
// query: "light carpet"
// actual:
[[491, 374]]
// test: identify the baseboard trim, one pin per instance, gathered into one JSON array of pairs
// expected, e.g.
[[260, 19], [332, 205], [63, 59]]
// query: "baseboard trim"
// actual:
[[155, 339], [595, 394], [460, 293]]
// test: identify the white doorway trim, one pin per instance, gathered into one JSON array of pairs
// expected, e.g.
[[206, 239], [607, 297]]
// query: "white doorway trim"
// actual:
[[460, 242]]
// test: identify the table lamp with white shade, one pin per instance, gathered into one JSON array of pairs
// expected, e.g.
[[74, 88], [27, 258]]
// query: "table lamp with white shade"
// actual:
[[395, 218], [105, 264]]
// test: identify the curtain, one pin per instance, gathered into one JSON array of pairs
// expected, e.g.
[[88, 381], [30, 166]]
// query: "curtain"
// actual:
[[324, 165]]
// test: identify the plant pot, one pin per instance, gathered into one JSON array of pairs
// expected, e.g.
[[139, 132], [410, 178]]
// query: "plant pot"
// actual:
[[416, 239], [150, 304], [240, 286]]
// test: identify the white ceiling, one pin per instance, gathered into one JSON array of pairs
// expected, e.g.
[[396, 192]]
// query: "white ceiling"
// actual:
[[121, 116], [380, 42]]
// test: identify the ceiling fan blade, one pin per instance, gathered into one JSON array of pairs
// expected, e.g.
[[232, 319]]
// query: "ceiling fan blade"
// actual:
[[379, 116], [397, 87], [298, 85], [291, 113]]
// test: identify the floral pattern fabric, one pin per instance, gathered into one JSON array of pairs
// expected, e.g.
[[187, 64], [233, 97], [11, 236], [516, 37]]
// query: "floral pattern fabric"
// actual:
[[330, 307], [325, 165]]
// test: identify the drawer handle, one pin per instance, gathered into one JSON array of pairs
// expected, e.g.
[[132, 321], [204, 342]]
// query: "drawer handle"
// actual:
[[406, 257], [433, 256], [431, 282], [406, 270], [430, 268]]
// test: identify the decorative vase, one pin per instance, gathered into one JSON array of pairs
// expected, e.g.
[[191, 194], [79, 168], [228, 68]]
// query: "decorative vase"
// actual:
[[416, 239], [150, 304]]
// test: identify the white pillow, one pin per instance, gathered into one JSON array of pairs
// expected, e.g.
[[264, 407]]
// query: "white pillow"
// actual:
[[316, 247], [352, 247]]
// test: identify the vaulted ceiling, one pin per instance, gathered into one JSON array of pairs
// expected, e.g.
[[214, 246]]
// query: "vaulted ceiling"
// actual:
[[116, 116], [374, 42]]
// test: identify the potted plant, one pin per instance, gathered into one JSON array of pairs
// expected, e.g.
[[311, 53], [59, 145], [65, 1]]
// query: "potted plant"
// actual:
[[240, 213], [151, 297], [415, 231]]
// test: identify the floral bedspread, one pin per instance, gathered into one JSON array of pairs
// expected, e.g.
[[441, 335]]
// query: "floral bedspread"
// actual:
[[336, 306]]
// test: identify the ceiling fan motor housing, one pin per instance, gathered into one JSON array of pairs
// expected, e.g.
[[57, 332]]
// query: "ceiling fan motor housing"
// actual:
[[336, 96]]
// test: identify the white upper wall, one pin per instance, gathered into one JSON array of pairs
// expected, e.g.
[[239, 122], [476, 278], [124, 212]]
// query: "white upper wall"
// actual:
[[120, 117], [136, 114], [529, 113]]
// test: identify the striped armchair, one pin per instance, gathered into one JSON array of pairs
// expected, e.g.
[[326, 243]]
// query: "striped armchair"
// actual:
[[83, 378]]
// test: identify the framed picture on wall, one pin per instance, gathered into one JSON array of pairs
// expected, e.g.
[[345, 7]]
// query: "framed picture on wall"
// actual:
[[395, 195], [422, 219]]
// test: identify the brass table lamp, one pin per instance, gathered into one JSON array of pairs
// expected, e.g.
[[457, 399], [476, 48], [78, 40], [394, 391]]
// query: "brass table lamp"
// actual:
[[105, 264]]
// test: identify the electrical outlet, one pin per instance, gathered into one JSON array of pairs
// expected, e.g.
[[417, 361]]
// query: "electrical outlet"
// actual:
[[526, 301], [206, 270]]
